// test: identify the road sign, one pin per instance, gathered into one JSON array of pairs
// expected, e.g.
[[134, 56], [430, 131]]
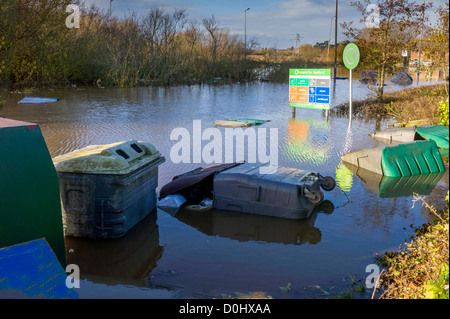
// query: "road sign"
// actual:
[[351, 56], [309, 88]]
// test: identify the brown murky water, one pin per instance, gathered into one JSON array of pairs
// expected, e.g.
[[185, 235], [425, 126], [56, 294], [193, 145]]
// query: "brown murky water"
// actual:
[[217, 253]]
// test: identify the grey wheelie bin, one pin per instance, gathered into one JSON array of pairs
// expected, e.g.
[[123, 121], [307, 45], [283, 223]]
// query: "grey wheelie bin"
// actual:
[[107, 189], [286, 192]]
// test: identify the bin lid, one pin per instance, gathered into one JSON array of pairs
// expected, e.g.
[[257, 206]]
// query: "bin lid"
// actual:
[[115, 158], [438, 133]]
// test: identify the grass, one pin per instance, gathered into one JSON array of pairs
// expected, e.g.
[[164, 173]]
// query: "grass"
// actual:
[[419, 270], [406, 105], [357, 287]]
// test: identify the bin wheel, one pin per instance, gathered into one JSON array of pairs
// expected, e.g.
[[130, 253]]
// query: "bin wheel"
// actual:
[[315, 197], [328, 183], [326, 207]]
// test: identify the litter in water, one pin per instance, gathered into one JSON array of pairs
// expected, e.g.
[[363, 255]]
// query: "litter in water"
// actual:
[[37, 100]]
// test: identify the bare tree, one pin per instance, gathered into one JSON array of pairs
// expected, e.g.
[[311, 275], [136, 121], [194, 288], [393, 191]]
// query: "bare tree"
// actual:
[[212, 27]]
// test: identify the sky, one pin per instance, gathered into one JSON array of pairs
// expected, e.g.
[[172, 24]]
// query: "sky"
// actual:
[[272, 23]]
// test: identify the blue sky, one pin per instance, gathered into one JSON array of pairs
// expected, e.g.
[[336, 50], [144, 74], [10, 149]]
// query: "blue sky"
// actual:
[[273, 24]]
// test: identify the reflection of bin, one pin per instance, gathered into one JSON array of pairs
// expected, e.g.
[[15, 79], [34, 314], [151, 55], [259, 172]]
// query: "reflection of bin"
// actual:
[[107, 189], [388, 187], [126, 260], [251, 227]]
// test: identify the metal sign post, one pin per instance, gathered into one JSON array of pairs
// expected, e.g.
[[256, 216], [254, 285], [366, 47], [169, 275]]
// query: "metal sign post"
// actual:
[[350, 108], [351, 59]]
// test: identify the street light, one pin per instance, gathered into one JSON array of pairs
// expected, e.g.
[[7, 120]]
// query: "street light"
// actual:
[[245, 29], [110, 5], [335, 40]]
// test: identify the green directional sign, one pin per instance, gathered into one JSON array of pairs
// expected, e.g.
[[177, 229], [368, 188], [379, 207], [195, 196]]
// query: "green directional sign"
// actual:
[[309, 88], [351, 56]]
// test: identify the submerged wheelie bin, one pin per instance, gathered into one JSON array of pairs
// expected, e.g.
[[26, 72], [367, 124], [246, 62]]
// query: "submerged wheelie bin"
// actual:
[[287, 192], [107, 189]]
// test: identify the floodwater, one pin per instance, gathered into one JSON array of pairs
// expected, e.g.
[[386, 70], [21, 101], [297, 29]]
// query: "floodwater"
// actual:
[[216, 254]]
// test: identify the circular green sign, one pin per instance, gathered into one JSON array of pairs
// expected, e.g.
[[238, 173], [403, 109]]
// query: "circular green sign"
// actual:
[[351, 56]]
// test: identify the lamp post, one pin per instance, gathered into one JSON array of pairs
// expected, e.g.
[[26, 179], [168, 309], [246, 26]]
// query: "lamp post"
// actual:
[[335, 40], [245, 30], [110, 1]]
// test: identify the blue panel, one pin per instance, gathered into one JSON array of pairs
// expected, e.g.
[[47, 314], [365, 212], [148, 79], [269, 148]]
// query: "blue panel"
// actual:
[[323, 99], [322, 91], [312, 99], [32, 270]]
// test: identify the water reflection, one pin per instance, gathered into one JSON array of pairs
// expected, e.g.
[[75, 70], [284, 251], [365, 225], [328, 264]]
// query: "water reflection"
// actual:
[[389, 187], [250, 227], [125, 260], [344, 177], [348, 138], [307, 141]]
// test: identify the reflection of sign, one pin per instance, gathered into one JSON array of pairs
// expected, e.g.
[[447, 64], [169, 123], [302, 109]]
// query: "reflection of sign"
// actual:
[[309, 88], [344, 177], [351, 56], [307, 141]]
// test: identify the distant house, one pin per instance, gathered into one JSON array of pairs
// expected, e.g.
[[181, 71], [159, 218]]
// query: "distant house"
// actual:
[[414, 59], [424, 60]]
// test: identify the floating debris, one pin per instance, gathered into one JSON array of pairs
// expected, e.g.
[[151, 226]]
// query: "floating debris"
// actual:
[[38, 100], [245, 122], [286, 289]]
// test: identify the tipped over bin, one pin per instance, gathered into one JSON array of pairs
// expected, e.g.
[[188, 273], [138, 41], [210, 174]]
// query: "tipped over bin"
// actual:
[[421, 157], [107, 189], [279, 192]]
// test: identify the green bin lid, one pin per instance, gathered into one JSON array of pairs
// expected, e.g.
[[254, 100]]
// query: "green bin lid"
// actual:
[[438, 133], [115, 158], [421, 157]]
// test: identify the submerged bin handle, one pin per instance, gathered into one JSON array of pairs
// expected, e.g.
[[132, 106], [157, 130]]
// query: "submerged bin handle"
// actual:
[[258, 193], [257, 189], [102, 217]]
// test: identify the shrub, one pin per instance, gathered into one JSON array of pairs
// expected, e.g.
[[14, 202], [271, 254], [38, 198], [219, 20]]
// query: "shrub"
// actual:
[[420, 270], [443, 112]]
